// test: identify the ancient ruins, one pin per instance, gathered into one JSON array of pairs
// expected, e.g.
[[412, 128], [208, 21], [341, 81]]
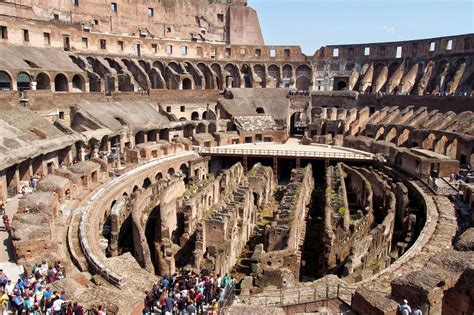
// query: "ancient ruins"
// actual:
[[140, 139]]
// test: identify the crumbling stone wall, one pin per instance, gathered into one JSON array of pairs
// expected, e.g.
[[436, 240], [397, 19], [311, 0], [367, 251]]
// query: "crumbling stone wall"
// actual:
[[278, 263], [344, 223], [33, 236]]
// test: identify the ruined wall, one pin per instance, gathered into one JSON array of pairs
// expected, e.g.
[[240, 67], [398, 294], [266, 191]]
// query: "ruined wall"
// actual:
[[374, 249], [346, 221], [280, 259]]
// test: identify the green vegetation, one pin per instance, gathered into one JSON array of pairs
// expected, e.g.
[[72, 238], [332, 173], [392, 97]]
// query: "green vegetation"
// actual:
[[367, 185], [341, 211]]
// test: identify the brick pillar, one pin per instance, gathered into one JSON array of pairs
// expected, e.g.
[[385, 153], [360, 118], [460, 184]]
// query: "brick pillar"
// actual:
[[275, 168]]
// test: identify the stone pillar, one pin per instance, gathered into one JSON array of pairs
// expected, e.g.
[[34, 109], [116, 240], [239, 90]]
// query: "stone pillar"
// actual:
[[145, 137], [293, 78], [16, 178], [3, 187], [81, 153], [275, 168]]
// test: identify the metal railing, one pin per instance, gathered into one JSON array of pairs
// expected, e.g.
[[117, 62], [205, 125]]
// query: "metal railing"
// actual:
[[434, 184], [300, 295], [227, 299], [286, 153]]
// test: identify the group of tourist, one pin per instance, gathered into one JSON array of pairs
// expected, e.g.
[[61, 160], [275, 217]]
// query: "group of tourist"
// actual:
[[405, 309], [188, 294], [31, 294], [298, 93]]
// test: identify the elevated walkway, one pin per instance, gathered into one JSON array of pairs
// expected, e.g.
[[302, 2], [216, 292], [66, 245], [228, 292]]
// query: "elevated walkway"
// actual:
[[288, 150]]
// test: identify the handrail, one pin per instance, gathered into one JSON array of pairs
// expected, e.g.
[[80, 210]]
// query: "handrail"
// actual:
[[285, 153], [94, 262], [299, 295]]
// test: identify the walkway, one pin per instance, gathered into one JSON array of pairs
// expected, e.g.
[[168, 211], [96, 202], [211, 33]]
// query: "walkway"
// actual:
[[291, 149], [7, 261]]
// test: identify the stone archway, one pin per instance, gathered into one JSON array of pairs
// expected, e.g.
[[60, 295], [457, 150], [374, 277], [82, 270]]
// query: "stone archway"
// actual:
[[403, 138], [379, 133], [428, 143], [5, 81], [341, 85], [43, 82], [78, 83], [452, 149], [61, 83], [23, 81], [187, 84], [440, 145], [303, 78], [392, 135]]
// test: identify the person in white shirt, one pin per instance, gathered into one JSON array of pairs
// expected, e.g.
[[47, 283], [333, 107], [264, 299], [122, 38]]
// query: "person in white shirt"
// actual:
[[57, 306]]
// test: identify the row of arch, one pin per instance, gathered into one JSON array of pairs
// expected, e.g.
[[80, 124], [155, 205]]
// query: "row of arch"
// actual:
[[439, 143], [41, 81], [132, 74], [411, 77]]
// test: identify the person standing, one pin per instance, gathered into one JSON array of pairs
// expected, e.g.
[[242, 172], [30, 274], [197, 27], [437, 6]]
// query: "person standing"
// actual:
[[3, 302], [404, 308]]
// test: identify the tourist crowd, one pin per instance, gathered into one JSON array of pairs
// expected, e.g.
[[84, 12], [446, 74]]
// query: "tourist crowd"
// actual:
[[188, 294], [32, 294]]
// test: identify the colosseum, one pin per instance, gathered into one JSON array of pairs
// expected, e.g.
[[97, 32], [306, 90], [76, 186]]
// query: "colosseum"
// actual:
[[158, 157]]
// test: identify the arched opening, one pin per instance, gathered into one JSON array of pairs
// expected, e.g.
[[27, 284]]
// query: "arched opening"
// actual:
[[201, 128], [158, 177], [232, 77], [259, 71], [146, 183], [5, 81], [216, 68], [165, 134], [303, 78], [440, 146], [207, 76], [23, 81], [428, 143], [188, 131], [341, 85], [184, 169], [187, 84], [43, 82], [379, 133], [392, 135], [139, 137], [403, 138], [195, 116], [297, 126], [209, 115], [78, 83], [125, 237], [287, 75], [171, 171], [452, 149], [212, 128], [135, 188], [255, 199], [153, 236], [274, 73], [61, 83], [247, 74], [180, 227]]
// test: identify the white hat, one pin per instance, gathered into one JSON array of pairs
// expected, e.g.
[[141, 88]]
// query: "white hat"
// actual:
[[405, 301]]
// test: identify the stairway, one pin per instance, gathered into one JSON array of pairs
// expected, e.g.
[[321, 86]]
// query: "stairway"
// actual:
[[244, 265]]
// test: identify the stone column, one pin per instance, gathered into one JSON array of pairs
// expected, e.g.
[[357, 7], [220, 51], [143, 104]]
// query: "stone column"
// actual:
[[81, 153], [3, 187]]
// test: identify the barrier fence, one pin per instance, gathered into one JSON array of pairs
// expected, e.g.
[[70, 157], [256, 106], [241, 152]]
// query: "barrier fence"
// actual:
[[287, 153], [301, 295]]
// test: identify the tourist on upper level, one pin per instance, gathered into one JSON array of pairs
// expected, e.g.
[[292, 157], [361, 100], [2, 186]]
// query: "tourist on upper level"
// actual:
[[404, 308]]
